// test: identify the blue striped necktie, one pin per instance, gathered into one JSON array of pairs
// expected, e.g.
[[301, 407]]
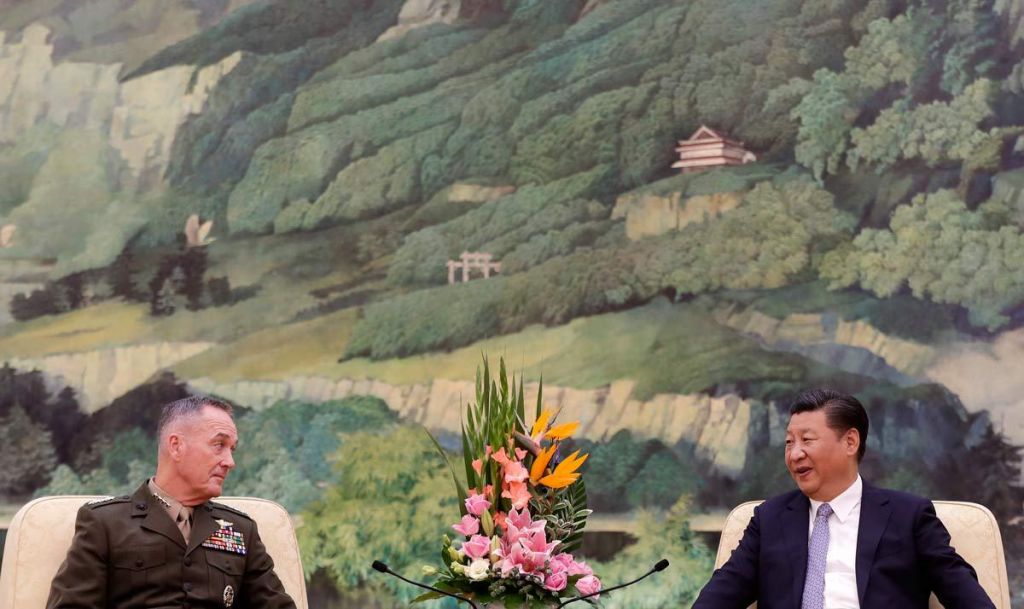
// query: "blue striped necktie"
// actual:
[[814, 583]]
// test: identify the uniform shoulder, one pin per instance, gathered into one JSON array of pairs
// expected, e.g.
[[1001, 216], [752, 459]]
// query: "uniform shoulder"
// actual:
[[106, 501], [228, 508]]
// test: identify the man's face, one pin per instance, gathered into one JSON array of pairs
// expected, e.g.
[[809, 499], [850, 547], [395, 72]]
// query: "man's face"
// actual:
[[206, 456], [821, 461]]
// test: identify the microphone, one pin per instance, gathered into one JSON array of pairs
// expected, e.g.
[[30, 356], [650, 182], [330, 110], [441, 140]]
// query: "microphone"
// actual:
[[660, 566], [383, 568]]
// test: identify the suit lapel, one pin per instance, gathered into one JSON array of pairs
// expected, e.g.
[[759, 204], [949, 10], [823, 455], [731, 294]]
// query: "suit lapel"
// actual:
[[154, 517], [203, 525], [874, 517], [794, 530]]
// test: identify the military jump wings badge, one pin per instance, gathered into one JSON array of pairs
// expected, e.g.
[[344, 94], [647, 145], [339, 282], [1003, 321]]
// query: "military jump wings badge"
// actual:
[[226, 538], [229, 596]]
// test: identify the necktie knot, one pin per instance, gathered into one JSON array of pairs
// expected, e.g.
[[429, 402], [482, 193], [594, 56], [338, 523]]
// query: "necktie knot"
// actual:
[[184, 522], [824, 511], [185, 514]]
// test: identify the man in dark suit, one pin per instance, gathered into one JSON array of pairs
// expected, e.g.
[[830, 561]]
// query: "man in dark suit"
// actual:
[[168, 545], [837, 542]]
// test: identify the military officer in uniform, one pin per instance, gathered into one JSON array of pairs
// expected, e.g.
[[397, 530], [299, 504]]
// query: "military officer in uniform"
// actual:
[[168, 545]]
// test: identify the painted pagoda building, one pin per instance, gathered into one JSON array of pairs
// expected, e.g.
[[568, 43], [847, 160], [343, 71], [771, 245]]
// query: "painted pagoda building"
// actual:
[[706, 149]]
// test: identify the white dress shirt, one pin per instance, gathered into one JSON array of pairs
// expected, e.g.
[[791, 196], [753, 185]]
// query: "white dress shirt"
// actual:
[[841, 560]]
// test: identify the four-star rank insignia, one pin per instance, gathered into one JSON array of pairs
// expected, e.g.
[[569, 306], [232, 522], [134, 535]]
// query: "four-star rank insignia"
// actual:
[[226, 538], [229, 596]]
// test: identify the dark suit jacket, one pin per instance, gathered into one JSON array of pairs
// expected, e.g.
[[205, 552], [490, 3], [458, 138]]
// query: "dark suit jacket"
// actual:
[[903, 554], [127, 553]]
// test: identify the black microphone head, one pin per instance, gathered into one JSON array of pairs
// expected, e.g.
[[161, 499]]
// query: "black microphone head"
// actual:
[[662, 565], [379, 566]]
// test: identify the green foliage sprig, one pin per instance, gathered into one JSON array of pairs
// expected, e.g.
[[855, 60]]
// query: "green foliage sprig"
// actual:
[[942, 251]]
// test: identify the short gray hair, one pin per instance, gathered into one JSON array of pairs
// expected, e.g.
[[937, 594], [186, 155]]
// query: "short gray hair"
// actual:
[[186, 408]]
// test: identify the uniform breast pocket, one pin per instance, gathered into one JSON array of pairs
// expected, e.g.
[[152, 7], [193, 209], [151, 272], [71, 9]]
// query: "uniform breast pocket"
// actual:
[[225, 575], [138, 564]]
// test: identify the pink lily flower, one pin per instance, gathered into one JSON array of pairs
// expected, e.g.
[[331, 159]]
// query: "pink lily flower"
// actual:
[[522, 520], [538, 544], [515, 558]]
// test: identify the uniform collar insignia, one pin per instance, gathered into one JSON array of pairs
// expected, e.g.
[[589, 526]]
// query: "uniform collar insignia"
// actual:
[[162, 501]]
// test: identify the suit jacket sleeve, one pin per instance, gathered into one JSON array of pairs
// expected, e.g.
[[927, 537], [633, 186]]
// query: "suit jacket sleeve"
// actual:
[[953, 580], [81, 581], [261, 588], [734, 585]]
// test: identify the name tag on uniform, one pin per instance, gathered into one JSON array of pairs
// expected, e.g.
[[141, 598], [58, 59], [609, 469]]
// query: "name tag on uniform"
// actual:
[[226, 538]]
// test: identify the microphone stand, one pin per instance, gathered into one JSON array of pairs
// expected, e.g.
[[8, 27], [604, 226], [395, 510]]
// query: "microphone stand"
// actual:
[[383, 568], [660, 566]]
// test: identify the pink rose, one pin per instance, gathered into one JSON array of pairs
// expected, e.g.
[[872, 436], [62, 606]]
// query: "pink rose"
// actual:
[[477, 547], [588, 585], [561, 562], [556, 581], [580, 568], [469, 525], [477, 504]]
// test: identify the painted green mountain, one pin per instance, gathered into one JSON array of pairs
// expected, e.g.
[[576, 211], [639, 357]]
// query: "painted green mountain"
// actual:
[[347, 150]]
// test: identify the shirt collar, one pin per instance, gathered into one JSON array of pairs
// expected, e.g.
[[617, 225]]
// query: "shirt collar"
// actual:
[[845, 503], [171, 505]]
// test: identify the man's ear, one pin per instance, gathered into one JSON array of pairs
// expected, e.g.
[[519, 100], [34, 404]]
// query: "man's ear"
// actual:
[[852, 441], [175, 446]]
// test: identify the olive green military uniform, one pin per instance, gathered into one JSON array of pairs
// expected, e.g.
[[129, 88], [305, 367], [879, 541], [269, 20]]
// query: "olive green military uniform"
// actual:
[[127, 553]]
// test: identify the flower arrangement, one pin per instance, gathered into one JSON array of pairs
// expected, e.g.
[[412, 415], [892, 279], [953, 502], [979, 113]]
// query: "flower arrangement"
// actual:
[[523, 505]]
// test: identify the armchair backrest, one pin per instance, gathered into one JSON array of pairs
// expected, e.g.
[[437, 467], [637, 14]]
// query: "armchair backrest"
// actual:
[[973, 530], [40, 535]]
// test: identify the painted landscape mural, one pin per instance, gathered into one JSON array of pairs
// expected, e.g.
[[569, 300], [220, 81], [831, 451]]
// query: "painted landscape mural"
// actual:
[[679, 213]]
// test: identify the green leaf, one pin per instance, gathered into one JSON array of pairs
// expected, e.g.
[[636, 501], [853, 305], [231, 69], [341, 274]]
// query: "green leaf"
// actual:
[[461, 492], [485, 381], [540, 402], [521, 407], [427, 596], [503, 377], [467, 456]]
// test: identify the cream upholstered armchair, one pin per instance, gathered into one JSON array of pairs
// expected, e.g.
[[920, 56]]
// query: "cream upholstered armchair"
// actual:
[[972, 527], [41, 532]]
